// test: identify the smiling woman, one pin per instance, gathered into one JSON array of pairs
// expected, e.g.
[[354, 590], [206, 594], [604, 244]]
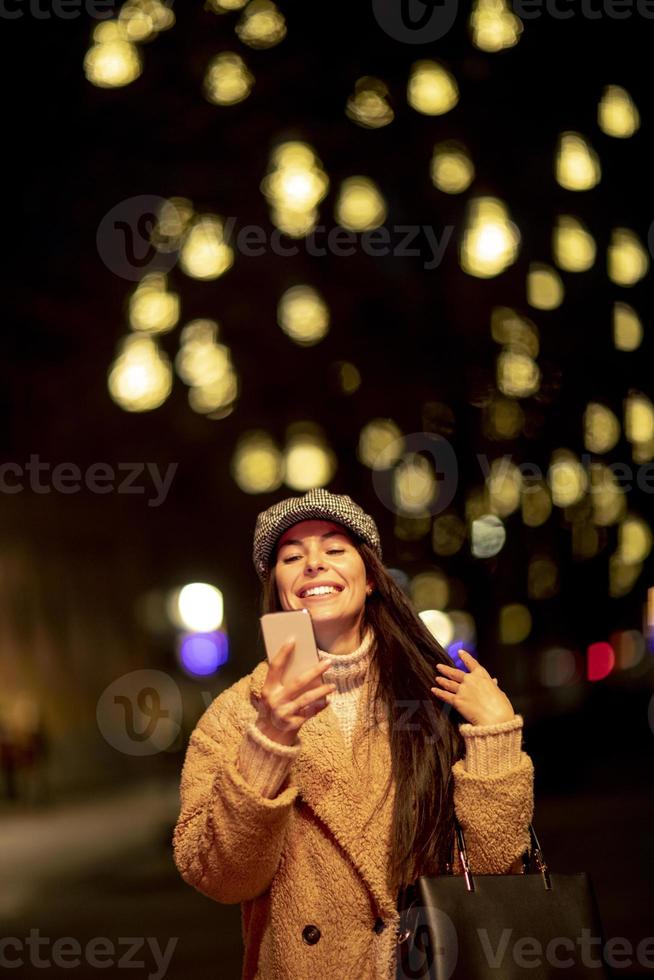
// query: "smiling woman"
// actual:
[[312, 806]]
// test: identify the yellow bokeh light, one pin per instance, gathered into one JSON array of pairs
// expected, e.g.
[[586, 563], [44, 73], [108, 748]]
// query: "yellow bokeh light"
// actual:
[[567, 478], [360, 205], [414, 485], [227, 80], [627, 327], [349, 377], [308, 461], [448, 534], [577, 164], [634, 540], [607, 499], [173, 220], [491, 241], [544, 287], [601, 428], [622, 577], [638, 418], [517, 333], [303, 315], [430, 590], [262, 25], [542, 578], [494, 26], [257, 463], [225, 6], [432, 90], [643, 452], [452, 170], [205, 254], [294, 186], [573, 246], [380, 444], [151, 307], [628, 261], [215, 396], [141, 377], [504, 484], [517, 374], [411, 528], [200, 360], [368, 107], [141, 20], [112, 64], [515, 623], [616, 114], [535, 503], [502, 418]]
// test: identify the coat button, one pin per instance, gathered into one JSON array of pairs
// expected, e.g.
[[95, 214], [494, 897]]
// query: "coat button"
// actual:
[[311, 935], [379, 925]]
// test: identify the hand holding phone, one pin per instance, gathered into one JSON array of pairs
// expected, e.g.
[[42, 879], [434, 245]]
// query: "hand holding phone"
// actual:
[[292, 691]]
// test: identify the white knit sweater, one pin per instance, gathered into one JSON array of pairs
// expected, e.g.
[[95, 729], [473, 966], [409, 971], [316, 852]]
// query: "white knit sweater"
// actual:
[[265, 763]]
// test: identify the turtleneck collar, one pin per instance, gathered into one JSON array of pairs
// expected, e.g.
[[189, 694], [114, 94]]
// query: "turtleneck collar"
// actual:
[[348, 670]]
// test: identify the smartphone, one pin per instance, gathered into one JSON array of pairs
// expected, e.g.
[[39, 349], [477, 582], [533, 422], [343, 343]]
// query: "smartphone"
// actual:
[[295, 624]]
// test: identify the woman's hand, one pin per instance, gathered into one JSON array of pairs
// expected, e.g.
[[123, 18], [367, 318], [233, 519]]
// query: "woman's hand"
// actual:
[[284, 708], [475, 695]]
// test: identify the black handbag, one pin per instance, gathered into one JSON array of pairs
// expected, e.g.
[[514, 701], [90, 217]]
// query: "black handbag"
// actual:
[[536, 924]]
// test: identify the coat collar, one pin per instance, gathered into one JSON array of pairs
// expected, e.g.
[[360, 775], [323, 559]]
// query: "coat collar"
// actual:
[[343, 785]]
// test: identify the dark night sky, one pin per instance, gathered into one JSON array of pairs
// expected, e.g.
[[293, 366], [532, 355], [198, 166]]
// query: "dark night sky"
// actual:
[[74, 151]]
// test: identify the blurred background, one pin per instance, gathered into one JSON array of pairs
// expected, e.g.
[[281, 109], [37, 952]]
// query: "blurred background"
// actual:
[[399, 251]]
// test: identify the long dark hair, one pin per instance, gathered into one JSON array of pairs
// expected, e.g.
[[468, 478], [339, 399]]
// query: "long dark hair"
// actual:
[[422, 751]]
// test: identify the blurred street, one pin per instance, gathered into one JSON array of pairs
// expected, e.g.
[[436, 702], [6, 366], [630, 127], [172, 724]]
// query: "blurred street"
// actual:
[[104, 868]]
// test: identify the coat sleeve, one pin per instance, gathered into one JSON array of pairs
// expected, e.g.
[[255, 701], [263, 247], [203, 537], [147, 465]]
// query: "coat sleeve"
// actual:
[[228, 838], [494, 797]]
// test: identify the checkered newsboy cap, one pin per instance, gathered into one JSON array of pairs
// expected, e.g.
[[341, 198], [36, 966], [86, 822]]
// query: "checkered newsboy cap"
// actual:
[[317, 504]]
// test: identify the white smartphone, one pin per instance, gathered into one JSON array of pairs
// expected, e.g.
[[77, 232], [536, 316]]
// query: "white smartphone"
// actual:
[[294, 624]]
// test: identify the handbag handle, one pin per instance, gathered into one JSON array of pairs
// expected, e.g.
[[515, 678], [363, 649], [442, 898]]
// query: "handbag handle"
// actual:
[[536, 852]]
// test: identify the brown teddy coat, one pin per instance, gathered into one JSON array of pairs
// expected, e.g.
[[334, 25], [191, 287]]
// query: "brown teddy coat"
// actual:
[[310, 865]]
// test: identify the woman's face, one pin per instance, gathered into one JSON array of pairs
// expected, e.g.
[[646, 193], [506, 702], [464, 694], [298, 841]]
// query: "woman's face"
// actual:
[[320, 555]]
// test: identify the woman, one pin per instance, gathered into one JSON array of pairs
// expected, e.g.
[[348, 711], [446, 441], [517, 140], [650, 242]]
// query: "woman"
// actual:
[[312, 805]]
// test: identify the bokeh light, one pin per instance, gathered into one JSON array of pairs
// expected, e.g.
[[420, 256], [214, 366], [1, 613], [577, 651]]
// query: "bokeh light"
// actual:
[[491, 240], [227, 80], [432, 89], [141, 377], [368, 106], [303, 315], [577, 164], [257, 463], [360, 205], [452, 171], [200, 607], [617, 114]]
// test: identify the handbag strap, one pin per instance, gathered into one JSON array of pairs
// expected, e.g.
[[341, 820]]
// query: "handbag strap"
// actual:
[[536, 854]]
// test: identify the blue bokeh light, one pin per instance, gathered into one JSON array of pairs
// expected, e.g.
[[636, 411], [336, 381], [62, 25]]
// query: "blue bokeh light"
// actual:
[[455, 648], [203, 653]]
